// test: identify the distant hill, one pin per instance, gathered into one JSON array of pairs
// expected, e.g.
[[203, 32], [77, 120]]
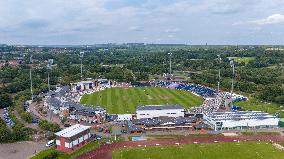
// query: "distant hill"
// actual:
[[3, 45]]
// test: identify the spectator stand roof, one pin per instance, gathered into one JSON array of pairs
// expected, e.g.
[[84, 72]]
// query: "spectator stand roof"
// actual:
[[164, 121]]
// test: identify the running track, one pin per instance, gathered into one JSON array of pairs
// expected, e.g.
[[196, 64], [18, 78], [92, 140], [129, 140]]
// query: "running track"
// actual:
[[105, 151]]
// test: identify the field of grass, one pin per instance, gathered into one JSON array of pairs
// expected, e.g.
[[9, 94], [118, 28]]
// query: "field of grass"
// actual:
[[248, 133], [54, 154], [51, 153], [121, 100], [245, 150], [167, 137], [243, 59], [253, 104]]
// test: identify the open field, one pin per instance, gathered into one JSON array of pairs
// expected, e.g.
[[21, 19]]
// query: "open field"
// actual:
[[243, 59], [53, 153], [118, 149], [121, 100], [242, 150]]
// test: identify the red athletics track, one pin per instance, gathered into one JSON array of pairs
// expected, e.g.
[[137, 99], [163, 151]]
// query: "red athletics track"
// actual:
[[105, 151]]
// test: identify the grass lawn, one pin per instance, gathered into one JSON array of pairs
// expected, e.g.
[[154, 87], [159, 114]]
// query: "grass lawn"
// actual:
[[243, 59], [245, 150], [61, 155], [167, 137], [253, 104], [121, 100], [51, 153], [248, 133]]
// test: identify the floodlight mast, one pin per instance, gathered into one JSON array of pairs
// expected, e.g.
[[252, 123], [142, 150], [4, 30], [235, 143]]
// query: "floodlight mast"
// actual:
[[170, 62], [81, 56], [50, 62], [233, 76], [48, 79], [31, 84], [219, 73]]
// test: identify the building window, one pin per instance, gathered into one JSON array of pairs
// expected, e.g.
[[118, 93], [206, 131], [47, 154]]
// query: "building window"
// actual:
[[58, 142], [67, 145]]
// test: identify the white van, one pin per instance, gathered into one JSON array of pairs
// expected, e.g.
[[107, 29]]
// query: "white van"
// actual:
[[50, 143]]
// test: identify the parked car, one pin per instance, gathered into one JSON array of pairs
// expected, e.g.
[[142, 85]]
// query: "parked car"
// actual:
[[124, 131], [98, 137], [100, 130], [50, 143], [67, 125]]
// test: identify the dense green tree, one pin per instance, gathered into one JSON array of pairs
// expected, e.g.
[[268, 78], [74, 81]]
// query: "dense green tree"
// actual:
[[5, 100]]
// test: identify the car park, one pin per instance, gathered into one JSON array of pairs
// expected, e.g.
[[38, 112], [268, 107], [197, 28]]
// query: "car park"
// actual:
[[7, 118]]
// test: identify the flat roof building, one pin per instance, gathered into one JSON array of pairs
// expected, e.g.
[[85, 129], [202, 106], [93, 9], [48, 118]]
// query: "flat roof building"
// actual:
[[155, 111], [240, 120], [83, 85], [72, 137]]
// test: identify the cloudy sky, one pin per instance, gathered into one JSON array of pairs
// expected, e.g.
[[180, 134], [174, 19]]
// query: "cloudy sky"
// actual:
[[149, 21]]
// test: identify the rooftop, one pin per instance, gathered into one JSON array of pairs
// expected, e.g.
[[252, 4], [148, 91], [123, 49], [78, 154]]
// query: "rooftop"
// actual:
[[72, 130], [242, 115], [159, 107]]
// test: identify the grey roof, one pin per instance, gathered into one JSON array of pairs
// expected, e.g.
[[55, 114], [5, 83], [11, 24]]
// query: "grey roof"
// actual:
[[63, 90], [163, 120], [54, 102], [159, 107], [201, 126], [85, 109]]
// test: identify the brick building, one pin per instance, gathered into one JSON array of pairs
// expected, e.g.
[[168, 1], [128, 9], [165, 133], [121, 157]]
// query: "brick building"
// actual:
[[72, 137]]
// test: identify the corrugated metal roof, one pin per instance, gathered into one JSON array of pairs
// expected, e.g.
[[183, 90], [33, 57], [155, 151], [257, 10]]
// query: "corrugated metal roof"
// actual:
[[72, 130]]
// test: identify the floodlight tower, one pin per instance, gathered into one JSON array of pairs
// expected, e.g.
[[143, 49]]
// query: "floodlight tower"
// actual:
[[50, 62], [31, 85], [219, 73], [81, 56], [233, 76], [170, 62]]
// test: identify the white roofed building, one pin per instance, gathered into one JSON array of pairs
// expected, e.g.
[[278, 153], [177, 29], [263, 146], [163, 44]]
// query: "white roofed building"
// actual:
[[155, 111], [72, 137], [123, 117], [82, 85], [240, 120]]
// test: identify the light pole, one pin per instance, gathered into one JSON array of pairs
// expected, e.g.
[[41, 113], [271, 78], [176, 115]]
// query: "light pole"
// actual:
[[31, 61], [233, 76], [170, 62], [50, 62], [81, 56], [219, 73]]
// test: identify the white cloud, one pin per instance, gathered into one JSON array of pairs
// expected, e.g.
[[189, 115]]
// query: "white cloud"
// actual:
[[273, 19], [99, 21], [172, 30], [135, 28]]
